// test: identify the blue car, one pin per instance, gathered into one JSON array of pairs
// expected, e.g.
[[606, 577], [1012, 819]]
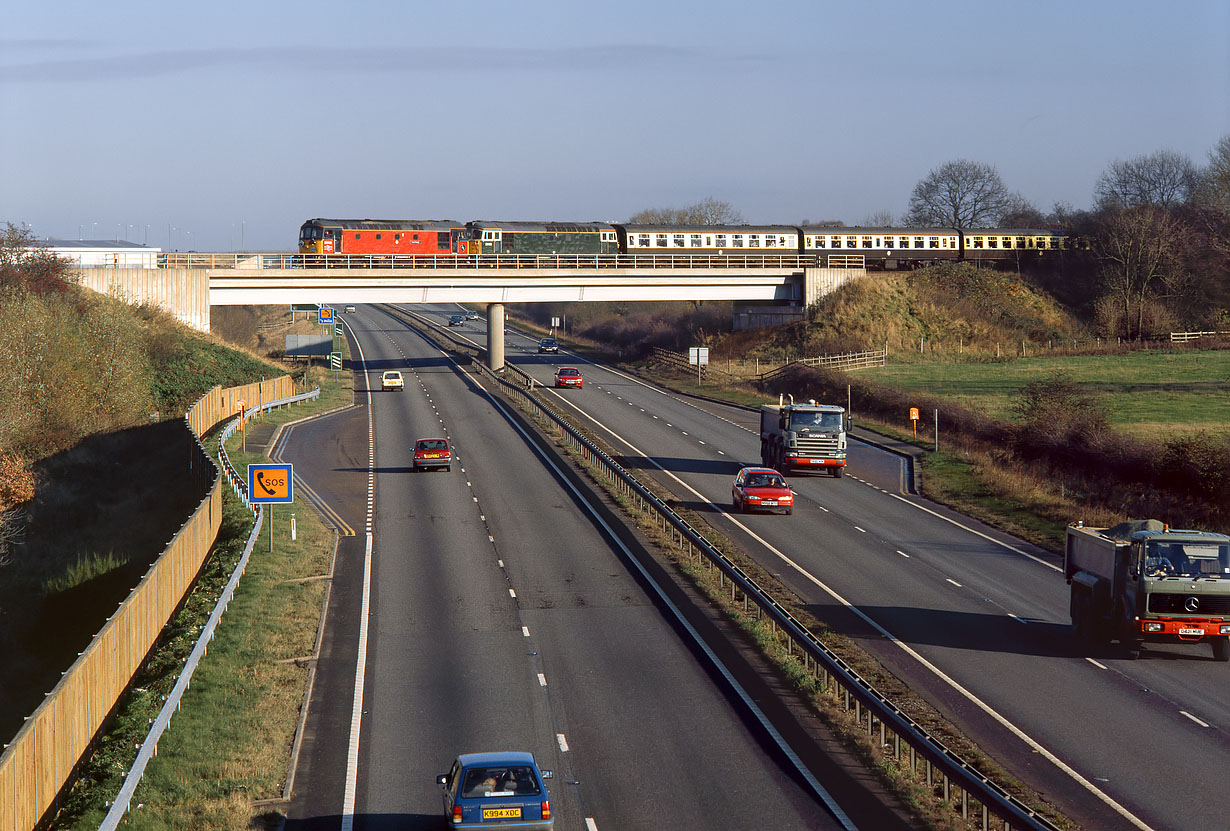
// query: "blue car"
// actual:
[[496, 790]]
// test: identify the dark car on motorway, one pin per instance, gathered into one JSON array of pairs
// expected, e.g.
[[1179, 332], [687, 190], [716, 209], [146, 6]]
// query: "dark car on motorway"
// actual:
[[429, 453], [548, 345], [471, 315], [761, 489], [496, 790], [456, 320]]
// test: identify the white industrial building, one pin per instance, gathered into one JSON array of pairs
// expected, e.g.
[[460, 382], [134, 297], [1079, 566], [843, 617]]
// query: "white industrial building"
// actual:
[[95, 253]]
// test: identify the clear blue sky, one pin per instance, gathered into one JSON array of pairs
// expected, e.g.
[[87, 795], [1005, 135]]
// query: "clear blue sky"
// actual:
[[212, 118]]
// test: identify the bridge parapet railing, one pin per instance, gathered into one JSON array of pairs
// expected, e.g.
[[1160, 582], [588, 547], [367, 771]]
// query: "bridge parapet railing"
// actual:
[[257, 262]]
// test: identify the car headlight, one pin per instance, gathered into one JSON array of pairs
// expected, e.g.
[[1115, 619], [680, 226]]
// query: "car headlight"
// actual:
[[1225, 629], [1153, 627]]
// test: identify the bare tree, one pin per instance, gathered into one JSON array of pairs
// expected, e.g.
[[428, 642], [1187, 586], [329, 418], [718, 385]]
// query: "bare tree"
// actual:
[[879, 219], [1215, 187], [708, 211], [1166, 179], [1022, 214], [1141, 254], [960, 194]]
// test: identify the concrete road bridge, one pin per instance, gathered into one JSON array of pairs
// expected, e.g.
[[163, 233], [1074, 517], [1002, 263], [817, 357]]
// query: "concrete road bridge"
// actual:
[[187, 285]]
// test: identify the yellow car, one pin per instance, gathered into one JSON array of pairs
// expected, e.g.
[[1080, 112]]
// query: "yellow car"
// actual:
[[391, 380]]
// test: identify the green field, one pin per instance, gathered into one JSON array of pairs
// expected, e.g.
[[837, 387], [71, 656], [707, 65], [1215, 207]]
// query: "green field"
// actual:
[[1151, 393]]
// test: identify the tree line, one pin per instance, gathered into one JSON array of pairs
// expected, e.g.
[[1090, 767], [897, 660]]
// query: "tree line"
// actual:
[[1158, 235]]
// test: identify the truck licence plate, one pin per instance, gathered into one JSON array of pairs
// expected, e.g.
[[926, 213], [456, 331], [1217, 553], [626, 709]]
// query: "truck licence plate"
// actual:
[[1191, 631]]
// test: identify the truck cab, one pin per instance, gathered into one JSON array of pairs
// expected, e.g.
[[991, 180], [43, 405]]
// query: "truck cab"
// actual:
[[1140, 582], [806, 436]]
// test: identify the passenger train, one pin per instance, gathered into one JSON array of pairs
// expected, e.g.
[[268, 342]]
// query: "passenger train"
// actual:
[[886, 248]]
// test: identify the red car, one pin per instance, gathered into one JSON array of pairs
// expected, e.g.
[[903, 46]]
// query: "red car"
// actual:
[[569, 376], [429, 453], [761, 488]]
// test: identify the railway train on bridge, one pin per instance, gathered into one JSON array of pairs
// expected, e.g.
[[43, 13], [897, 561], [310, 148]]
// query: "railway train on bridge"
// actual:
[[879, 247]]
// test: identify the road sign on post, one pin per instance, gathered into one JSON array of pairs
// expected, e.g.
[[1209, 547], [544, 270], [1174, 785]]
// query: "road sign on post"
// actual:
[[698, 355], [335, 361], [326, 315], [271, 483]]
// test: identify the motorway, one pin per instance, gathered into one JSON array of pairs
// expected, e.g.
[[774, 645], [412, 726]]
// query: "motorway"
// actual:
[[974, 620], [493, 607]]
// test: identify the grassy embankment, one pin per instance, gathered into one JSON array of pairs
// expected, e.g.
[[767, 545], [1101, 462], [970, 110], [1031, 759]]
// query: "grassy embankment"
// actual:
[[229, 745]]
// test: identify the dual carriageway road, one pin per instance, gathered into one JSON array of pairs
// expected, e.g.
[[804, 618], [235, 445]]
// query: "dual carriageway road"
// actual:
[[973, 620]]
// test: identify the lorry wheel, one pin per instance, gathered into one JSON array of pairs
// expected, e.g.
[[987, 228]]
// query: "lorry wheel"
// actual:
[[837, 472], [1221, 648]]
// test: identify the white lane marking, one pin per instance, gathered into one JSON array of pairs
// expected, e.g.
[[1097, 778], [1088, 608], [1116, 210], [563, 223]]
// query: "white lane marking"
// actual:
[[542, 680], [356, 707], [1018, 619], [978, 533], [1193, 718], [903, 554], [512, 593], [1096, 664], [954, 582], [562, 742], [590, 825], [525, 630], [860, 530]]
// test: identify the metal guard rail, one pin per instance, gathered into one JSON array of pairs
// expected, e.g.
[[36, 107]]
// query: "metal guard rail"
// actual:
[[968, 779]]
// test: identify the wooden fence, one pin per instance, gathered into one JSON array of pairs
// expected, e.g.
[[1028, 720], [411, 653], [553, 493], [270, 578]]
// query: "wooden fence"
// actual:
[[738, 371], [35, 767]]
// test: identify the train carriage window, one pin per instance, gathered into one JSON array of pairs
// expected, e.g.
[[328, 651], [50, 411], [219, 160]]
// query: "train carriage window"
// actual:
[[644, 241], [770, 241], [851, 242], [678, 240], [443, 243], [719, 240], [378, 236], [1020, 242], [881, 243], [866, 242], [935, 242], [358, 236], [694, 241], [903, 242], [708, 241], [736, 240], [753, 240], [661, 240], [819, 242], [992, 242], [976, 242], [836, 242]]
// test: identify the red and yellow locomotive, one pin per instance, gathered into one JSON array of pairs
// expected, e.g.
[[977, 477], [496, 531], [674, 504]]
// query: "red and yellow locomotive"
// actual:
[[384, 238]]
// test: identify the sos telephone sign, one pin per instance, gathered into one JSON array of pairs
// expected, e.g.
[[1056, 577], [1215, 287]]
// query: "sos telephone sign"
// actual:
[[270, 484]]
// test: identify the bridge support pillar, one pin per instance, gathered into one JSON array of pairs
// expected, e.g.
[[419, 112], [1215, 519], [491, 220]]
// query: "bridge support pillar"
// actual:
[[495, 336]]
